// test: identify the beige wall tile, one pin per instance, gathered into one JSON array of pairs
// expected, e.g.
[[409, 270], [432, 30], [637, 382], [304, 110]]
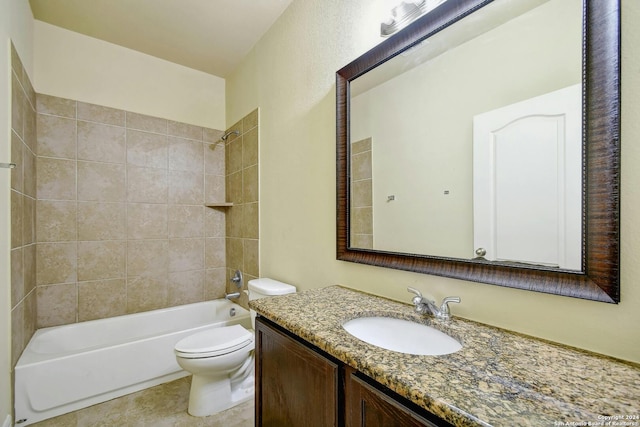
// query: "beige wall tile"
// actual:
[[234, 188], [364, 241], [56, 179], [214, 188], [215, 283], [28, 220], [56, 137], [56, 221], [361, 166], [147, 221], [147, 185], [16, 157], [30, 136], [53, 105], [186, 221], [214, 159], [184, 130], [185, 155], [250, 227], [250, 120], [57, 305], [251, 257], [103, 182], [361, 146], [146, 149], [17, 276], [235, 254], [250, 148], [17, 106], [16, 62], [215, 222], [101, 260], [29, 179], [56, 263], [186, 188], [17, 217], [146, 293], [146, 123], [235, 221], [215, 252], [101, 221], [362, 220], [30, 316], [101, 299], [185, 287], [236, 126], [212, 135], [101, 143], [250, 184], [29, 253], [186, 254], [361, 193], [147, 258], [98, 113], [17, 333], [234, 155]]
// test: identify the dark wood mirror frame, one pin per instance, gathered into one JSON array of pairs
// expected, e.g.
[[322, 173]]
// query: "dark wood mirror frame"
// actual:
[[599, 279]]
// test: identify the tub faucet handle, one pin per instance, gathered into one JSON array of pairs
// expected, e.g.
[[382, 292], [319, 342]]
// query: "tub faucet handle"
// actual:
[[237, 279]]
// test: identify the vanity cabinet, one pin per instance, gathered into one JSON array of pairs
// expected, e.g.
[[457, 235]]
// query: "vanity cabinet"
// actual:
[[300, 385]]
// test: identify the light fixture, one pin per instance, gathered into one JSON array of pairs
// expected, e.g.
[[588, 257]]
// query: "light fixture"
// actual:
[[405, 13]]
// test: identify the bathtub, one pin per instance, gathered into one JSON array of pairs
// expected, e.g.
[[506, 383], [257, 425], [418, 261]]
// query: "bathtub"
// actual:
[[66, 368]]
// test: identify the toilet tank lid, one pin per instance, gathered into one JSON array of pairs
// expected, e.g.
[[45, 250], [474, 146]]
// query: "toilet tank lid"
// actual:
[[268, 286]]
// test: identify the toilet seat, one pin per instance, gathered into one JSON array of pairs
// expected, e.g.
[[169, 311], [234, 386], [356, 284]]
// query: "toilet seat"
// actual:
[[214, 342]]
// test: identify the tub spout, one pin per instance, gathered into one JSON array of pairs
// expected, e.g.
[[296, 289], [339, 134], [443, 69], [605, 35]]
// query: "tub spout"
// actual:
[[234, 295]]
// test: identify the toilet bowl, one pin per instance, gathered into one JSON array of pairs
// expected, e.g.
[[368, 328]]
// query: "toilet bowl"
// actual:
[[221, 359]]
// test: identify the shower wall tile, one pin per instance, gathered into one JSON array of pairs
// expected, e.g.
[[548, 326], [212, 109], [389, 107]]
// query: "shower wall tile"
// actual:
[[234, 163], [250, 148], [250, 184], [101, 221], [215, 252], [56, 106], [186, 187], [184, 130], [250, 227], [186, 221], [146, 149], [121, 222], [101, 143], [100, 114], [147, 185], [23, 141], [101, 299], [56, 221], [104, 182], [57, 305], [56, 137], [101, 260], [56, 179], [251, 259], [250, 121]]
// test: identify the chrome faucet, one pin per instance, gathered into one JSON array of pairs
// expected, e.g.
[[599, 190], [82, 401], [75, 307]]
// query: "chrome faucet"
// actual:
[[427, 306], [234, 295]]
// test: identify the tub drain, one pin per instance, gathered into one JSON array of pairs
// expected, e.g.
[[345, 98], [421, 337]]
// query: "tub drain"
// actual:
[[232, 312]]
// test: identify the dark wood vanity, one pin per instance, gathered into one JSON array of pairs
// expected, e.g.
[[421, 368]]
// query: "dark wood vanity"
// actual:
[[297, 384]]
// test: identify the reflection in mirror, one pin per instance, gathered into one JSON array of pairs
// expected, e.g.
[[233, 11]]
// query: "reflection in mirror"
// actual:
[[470, 141], [459, 131]]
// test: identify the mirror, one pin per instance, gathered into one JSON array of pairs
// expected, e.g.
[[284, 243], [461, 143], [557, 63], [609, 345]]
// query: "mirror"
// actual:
[[429, 178]]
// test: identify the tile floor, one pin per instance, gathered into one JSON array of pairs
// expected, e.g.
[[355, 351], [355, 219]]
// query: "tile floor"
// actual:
[[160, 406]]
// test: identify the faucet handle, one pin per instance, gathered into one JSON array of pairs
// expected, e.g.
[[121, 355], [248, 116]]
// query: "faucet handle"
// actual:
[[418, 298], [444, 307]]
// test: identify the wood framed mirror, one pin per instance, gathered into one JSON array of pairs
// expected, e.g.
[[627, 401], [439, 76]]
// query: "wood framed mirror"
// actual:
[[596, 274]]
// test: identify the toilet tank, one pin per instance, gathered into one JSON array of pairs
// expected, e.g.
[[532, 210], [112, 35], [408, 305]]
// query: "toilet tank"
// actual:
[[265, 287]]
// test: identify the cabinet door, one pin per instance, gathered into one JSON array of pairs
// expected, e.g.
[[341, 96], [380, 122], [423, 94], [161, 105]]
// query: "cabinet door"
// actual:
[[295, 386], [366, 406]]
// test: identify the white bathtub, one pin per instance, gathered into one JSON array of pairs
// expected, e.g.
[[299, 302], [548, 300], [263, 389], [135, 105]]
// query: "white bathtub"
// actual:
[[66, 368]]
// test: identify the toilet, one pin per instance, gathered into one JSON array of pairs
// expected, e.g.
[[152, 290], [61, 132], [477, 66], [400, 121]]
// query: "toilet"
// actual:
[[221, 359]]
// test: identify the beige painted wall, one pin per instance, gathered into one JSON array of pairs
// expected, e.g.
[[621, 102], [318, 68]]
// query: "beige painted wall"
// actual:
[[16, 23], [290, 75], [75, 66]]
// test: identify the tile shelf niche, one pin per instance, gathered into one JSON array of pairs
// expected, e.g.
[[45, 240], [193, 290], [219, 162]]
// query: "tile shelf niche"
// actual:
[[219, 204]]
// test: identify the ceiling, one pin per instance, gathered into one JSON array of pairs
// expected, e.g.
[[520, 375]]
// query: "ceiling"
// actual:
[[207, 35]]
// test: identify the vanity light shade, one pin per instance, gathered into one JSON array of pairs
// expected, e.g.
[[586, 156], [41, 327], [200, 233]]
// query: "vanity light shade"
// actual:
[[405, 13]]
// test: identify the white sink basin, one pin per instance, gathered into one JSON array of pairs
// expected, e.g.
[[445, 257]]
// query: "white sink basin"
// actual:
[[402, 336]]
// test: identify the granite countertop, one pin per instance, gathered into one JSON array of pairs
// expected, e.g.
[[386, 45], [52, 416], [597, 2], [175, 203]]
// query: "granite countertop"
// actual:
[[498, 378]]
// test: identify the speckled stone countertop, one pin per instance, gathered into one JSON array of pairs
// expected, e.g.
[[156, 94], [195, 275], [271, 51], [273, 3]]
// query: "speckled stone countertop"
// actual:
[[498, 378]]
